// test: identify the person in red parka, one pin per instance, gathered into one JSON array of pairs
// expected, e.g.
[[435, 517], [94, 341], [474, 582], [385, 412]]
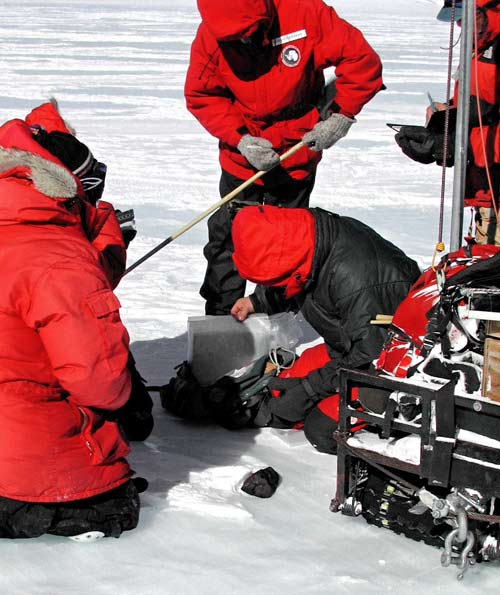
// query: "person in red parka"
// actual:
[[340, 274], [108, 237], [256, 82], [64, 352], [426, 144]]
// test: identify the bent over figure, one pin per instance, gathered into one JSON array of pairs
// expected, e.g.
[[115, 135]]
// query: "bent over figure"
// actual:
[[340, 274]]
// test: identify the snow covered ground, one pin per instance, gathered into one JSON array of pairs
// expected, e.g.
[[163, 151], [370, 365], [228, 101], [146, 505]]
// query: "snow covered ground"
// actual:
[[117, 68]]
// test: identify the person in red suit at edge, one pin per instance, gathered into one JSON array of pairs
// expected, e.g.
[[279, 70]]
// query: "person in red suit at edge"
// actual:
[[256, 82], [425, 144], [64, 362], [340, 274]]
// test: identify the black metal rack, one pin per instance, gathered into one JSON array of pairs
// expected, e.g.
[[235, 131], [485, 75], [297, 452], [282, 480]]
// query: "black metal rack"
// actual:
[[436, 442], [436, 427]]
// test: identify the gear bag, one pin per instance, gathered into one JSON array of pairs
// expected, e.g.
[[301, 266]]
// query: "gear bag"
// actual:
[[231, 401]]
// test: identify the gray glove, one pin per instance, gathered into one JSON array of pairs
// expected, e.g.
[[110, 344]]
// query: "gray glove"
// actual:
[[258, 152], [328, 132]]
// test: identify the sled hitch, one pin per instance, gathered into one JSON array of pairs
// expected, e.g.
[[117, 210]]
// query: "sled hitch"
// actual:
[[458, 546]]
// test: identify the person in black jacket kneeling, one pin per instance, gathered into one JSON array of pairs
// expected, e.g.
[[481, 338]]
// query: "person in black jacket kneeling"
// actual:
[[340, 274]]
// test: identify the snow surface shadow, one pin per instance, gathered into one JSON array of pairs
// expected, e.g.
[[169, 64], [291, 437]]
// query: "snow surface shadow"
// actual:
[[194, 467]]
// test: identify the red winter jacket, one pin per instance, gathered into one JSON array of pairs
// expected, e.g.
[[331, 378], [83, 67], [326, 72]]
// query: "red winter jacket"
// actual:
[[63, 348], [485, 85], [273, 91]]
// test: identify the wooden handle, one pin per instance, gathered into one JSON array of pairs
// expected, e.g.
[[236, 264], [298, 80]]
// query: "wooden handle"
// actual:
[[211, 209], [382, 319]]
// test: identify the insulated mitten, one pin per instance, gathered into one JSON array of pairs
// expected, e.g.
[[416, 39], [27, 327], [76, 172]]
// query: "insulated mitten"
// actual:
[[258, 152], [183, 396], [417, 143], [135, 417], [126, 221], [328, 132]]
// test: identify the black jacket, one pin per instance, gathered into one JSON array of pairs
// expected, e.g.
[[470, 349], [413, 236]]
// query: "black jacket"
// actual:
[[356, 274]]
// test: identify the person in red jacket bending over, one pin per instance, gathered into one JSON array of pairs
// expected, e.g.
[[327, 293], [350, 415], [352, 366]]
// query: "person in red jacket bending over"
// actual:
[[256, 81], [64, 350], [340, 274]]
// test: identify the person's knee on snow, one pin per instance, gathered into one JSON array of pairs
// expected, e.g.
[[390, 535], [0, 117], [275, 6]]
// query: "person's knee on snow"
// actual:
[[319, 429]]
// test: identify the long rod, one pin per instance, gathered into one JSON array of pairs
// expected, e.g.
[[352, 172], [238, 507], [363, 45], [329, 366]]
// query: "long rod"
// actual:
[[462, 128], [211, 209]]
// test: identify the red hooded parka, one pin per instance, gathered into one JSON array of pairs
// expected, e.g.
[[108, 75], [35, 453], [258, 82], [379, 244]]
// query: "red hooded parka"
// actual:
[[484, 135], [63, 348], [273, 91]]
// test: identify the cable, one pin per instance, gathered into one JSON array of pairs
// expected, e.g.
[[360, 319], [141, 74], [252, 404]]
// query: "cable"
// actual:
[[440, 244], [481, 127]]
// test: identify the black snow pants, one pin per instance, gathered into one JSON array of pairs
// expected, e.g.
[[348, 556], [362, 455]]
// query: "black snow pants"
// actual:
[[319, 430], [111, 513], [222, 285]]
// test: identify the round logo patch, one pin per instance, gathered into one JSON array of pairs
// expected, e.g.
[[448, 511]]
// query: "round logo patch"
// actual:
[[290, 56]]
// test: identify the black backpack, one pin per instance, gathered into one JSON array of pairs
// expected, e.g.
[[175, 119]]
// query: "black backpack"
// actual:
[[231, 402]]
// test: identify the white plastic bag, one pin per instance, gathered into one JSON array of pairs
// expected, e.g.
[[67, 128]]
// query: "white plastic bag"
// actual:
[[220, 345]]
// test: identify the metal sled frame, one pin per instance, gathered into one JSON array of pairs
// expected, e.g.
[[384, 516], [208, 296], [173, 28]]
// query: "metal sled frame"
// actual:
[[437, 439]]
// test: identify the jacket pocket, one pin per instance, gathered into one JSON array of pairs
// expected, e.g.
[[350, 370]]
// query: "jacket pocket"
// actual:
[[102, 437], [105, 307]]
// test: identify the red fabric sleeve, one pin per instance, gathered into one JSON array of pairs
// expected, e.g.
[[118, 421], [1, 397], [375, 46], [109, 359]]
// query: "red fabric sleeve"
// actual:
[[487, 28], [104, 233], [207, 98], [357, 66]]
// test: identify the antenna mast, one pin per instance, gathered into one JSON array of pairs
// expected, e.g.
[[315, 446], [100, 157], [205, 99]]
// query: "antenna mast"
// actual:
[[462, 127]]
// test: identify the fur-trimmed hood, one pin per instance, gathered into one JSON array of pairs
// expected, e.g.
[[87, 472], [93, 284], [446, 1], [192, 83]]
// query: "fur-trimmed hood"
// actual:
[[34, 185]]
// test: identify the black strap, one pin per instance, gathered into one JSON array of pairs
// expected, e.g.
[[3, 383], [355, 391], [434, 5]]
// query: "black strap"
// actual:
[[388, 418]]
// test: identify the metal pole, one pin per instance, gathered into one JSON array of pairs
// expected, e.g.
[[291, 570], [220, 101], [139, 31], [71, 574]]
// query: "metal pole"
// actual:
[[462, 127]]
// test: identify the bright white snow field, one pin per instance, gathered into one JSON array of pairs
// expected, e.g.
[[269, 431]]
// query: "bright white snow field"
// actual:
[[117, 68]]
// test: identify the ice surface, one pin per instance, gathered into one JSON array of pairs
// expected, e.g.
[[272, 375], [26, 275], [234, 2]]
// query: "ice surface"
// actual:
[[117, 68]]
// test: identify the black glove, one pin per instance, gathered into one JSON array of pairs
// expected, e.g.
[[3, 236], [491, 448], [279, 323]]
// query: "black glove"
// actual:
[[424, 145], [183, 396], [135, 417], [417, 142], [126, 221], [296, 400]]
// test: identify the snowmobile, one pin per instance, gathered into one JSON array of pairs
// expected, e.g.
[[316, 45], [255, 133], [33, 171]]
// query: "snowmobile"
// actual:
[[427, 464]]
